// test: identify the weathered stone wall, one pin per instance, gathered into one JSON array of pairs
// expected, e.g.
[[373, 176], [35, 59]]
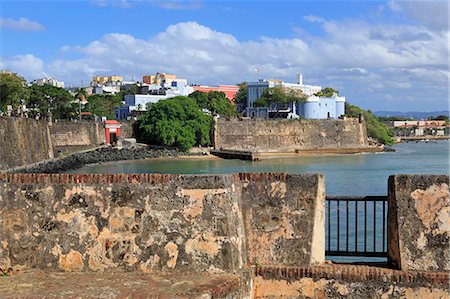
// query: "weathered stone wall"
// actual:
[[348, 281], [23, 141], [419, 222], [159, 222], [126, 130], [289, 135], [284, 219], [69, 137]]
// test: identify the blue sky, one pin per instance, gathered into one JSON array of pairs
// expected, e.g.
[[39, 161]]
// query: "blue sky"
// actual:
[[381, 55]]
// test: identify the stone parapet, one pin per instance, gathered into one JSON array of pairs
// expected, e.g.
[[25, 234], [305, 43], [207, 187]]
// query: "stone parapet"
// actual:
[[348, 281], [156, 222], [419, 222]]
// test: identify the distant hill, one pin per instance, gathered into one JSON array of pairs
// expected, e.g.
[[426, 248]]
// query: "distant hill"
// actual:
[[411, 114]]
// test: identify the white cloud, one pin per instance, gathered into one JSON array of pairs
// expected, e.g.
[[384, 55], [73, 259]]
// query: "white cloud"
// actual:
[[368, 63], [27, 65], [21, 24], [431, 13]]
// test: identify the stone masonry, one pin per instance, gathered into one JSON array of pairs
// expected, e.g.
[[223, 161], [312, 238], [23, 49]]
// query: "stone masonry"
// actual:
[[419, 222], [153, 222], [290, 135]]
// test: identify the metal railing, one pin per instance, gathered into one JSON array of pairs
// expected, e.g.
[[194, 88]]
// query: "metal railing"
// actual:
[[356, 226]]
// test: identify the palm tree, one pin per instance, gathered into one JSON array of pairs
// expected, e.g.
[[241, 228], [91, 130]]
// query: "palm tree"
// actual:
[[80, 95]]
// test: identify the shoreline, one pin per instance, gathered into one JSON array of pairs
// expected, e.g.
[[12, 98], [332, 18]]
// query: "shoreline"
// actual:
[[105, 155]]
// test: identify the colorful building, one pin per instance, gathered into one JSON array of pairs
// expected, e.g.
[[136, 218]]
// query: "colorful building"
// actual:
[[112, 131], [229, 90]]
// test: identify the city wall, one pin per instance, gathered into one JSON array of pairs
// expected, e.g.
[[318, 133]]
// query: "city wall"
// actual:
[[25, 141], [289, 135], [69, 137], [266, 227], [155, 222]]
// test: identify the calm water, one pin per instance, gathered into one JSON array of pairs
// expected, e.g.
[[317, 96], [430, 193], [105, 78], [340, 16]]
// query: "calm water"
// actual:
[[360, 174]]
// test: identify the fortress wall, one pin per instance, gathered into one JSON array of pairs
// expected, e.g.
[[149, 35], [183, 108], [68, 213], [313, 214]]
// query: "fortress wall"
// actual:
[[155, 222], [23, 141], [69, 137], [289, 135], [421, 205]]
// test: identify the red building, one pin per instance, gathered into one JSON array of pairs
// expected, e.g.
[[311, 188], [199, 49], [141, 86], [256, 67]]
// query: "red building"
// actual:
[[112, 131], [229, 90]]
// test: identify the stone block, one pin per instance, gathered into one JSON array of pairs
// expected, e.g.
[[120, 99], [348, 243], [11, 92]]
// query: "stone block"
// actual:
[[419, 222]]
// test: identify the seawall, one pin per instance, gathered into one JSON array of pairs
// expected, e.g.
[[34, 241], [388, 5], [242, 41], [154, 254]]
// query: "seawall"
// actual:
[[289, 135]]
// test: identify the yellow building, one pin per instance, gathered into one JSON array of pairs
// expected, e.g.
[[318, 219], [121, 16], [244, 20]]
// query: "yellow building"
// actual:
[[159, 78], [107, 79]]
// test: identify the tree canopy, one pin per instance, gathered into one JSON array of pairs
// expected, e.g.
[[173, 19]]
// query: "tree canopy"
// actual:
[[48, 98], [280, 95], [375, 128], [103, 105], [240, 98], [214, 101], [326, 92], [13, 90], [177, 121]]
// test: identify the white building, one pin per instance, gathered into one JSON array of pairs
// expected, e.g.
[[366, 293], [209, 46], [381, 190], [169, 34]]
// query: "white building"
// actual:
[[49, 81], [138, 102]]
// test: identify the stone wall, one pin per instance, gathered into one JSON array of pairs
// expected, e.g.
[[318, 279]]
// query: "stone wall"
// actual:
[[68, 137], [348, 281], [419, 222], [156, 222], [289, 135], [23, 141]]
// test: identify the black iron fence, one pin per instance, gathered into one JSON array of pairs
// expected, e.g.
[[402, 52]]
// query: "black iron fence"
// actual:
[[356, 226]]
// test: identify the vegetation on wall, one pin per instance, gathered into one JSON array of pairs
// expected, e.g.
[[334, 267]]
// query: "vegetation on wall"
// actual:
[[177, 121], [327, 92], [375, 128]]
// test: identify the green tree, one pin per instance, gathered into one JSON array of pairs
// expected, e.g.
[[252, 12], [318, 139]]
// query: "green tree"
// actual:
[[240, 98], [214, 101], [440, 117], [278, 96], [80, 98], [103, 105], [201, 98], [375, 128], [177, 121], [49, 98], [326, 92], [13, 90]]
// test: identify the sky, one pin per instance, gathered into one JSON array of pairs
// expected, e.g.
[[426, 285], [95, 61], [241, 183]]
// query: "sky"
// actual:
[[381, 55]]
